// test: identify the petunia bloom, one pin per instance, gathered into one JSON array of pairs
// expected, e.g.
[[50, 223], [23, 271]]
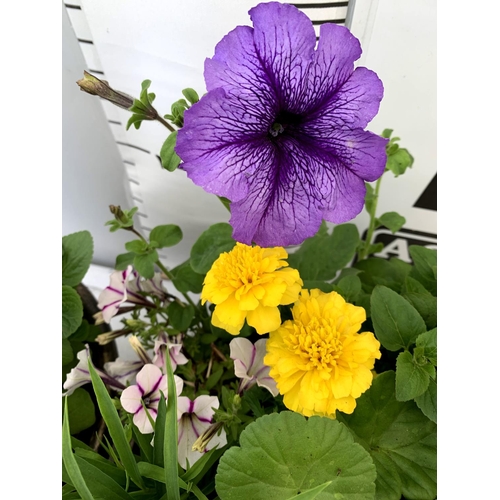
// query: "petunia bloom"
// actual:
[[174, 350], [249, 364], [319, 361], [145, 395], [250, 283], [194, 418], [280, 132], [126, 286]]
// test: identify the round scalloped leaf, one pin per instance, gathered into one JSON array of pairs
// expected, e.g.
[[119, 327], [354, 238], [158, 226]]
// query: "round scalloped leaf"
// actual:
[[285, 454]]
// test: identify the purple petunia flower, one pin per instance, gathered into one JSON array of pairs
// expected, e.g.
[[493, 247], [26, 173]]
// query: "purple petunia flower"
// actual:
[[280, 132]]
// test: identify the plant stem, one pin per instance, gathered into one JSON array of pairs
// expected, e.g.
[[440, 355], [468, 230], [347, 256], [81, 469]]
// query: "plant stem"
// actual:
[[371, 228], [163, 122]]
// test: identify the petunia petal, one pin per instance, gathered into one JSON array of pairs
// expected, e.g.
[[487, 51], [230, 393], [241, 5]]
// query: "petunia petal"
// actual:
[[149, 378], [203, 407], [131, 399], [142, 422], [242, 352]]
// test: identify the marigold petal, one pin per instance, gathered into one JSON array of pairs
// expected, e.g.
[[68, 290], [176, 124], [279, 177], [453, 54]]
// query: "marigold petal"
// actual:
[[229, 316], [264, 319]]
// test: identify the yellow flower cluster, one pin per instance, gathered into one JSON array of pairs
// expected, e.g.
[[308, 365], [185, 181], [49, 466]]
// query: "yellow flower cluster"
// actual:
[[319, 361], [250, 283]]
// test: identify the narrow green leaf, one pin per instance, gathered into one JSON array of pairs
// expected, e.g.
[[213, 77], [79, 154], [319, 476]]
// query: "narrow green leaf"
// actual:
[[387, 133], [72, 311], [198, 470], [166, 235], [191, 95], [77, 251], [112, 419], [412, 380], [135, 119], [157, 473], [312, 493], [180, 315], [169, 158], [69, 460], [118, 475], [99, 483], [396, 322], [170, 437]]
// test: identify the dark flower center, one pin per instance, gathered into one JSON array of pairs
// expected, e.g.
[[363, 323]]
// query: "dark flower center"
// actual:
[[146, 400], [283, 120]]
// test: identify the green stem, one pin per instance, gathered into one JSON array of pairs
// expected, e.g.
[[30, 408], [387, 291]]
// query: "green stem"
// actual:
[[164, 269], [166, 124], [371, 228]]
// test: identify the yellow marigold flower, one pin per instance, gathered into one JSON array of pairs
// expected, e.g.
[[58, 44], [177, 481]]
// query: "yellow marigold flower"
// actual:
[[249, 283], [319, 361]]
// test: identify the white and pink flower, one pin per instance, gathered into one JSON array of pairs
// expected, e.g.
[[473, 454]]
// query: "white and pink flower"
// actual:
[[249, 364], [176, 356], [144, 397], [194, 418]]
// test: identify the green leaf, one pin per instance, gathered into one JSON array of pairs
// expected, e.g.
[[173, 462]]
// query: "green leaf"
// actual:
[[412, 379], [167, 235], [77, 250], [187, 280], [157, 473], [350, 288], [321, 285], [225, 202], [428, 341], [191, 95], [145, 264], [213, 379], [369, 197], [285, 454], [211, 243], [115, 427], [72, 311], [425, 260], [426, 305], [401, 440], [170, 437], [69, 459], [396, 322], [180, 315], [392, 220], [427, 402], [387, 133], [137, 246], [399, 161], [135, 119], [67, 352], [106, 466], [323, 255], [376, 271], [311, 494], [99, 483], [124, 260], [85, 333], [169, 158], [81, 411]]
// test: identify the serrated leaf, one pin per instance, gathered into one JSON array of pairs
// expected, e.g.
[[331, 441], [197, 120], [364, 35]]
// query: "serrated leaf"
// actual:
[[77, 249], [400, 432], [169, 158], [349, 287], [427, 402], [180, 316], [396, 322], [145, 264], [166, 235], [426, 305], [185, 279], [428, 341], [72, 311], [323, 255], [283, 454], [211, 243], [412, 380], [392, 221]]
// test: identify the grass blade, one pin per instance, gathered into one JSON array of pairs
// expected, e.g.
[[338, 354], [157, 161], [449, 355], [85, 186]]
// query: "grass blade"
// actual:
[[157, 473], [170, 437], [69, 460], [110, 416]]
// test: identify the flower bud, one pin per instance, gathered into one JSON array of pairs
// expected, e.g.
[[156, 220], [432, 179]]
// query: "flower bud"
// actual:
[[201, 443], [92, 85], [139, 349]]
